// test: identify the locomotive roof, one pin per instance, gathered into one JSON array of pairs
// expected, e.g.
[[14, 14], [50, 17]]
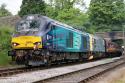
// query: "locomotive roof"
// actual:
[[63, 25], [55, 22], [49, 20]]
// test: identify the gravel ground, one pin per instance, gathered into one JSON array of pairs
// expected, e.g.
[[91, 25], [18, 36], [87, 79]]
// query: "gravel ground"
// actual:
[[115, 76], [80, 75], [43, 74]]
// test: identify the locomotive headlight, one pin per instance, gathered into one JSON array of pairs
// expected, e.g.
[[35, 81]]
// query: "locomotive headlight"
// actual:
[[15, 44]]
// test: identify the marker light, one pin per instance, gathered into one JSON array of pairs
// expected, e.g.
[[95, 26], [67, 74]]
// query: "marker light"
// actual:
[[37, 43]]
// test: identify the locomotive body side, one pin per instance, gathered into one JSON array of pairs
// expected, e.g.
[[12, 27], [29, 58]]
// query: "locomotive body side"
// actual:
[[97, 46], [62, 39], [66, 41]]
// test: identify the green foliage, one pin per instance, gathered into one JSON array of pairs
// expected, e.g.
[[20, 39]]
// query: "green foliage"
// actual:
[[72, 17], [51, 12], [107, 15], [90, 28], [5, 38], [3, 11], [63, 11], [64, 4], [4, 59], [32, 7]]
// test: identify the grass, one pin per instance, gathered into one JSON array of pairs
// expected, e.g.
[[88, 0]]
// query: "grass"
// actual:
[[5, 38], [121, 79]]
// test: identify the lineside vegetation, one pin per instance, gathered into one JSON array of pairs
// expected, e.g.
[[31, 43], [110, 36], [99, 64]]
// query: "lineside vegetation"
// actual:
[[5, 32]]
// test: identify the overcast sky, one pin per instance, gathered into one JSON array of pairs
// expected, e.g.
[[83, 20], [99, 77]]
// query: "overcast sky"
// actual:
[[14, 5]]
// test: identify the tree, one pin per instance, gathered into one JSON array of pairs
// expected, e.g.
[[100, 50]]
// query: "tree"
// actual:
[[51, 12], [3, 11], [107, 14], [72, 17], [65, 4], [32, 7], [63, 11]]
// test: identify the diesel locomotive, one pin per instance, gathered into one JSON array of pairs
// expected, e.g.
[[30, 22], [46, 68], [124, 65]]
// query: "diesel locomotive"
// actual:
[[41, 40]]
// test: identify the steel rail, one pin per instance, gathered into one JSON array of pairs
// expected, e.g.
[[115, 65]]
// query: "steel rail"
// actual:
[[86, 79]]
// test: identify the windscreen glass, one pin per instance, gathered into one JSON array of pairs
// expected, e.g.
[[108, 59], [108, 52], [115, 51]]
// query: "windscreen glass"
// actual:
[[32, 25], [29, 24]]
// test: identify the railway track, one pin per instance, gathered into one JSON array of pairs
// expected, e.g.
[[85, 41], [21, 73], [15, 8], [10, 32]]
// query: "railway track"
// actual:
[[84, 75], [23, 69], [56, 74], [16, 70], [94, 76]]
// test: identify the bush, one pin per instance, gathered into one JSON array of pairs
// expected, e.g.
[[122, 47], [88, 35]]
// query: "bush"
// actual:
[[5, 38]]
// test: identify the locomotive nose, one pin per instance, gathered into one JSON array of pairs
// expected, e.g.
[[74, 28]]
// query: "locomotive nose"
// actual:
[[26, 42]]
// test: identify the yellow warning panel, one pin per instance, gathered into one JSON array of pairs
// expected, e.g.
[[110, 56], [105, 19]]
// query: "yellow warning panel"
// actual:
[[91, 42], [26, 42]]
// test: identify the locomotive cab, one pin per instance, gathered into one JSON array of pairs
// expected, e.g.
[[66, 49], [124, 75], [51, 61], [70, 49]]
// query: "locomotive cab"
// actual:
[[27, 39], [29, 33], [25, 33]]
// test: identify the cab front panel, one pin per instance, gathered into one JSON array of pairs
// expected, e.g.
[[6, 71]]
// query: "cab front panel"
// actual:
[[26, 42]]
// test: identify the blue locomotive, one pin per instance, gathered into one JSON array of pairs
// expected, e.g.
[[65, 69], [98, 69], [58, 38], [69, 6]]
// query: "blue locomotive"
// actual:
[[40, 40]]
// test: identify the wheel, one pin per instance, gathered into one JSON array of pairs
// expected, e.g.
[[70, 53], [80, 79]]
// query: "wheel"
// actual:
[[80, 58], [49, 62], [27, 61]]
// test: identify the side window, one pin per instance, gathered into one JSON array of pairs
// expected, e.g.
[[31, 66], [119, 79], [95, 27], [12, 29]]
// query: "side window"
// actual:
[[95, 43], [70, 40], [85, 42], [53, 27]]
